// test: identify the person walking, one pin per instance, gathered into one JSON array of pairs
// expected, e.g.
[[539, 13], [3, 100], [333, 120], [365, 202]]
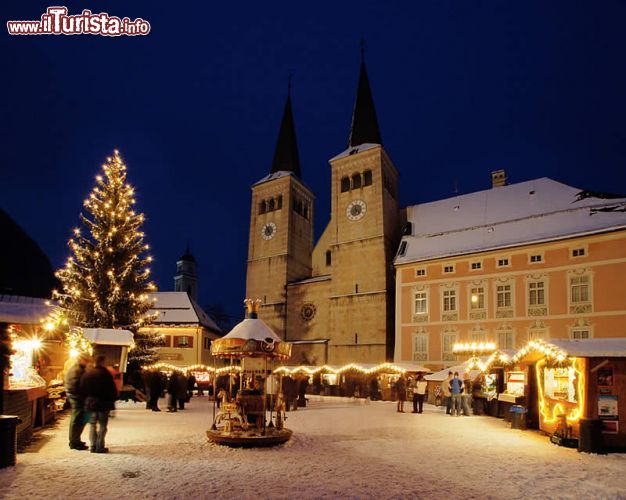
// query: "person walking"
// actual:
[[154, 387], [411, 390], [447, 395], [419, 393], [401, 391], [98, 388], [72, 390], [456, 389], [467, 394]]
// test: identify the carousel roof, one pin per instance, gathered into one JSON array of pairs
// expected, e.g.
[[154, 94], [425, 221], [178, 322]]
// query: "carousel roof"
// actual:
[[254, 329]]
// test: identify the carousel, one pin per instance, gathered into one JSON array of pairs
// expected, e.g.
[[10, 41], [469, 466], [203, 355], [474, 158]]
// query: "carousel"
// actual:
[[241, 419]]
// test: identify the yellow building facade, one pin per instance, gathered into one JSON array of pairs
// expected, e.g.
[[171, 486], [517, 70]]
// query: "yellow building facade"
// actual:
[[534, 260]]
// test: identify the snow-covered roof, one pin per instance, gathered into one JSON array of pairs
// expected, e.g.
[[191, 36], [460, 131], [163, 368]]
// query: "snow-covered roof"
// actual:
[[441, 375], [592, 348], [501, 217], [23, 310], [354, 150], [108, 336], [274, 175], [178, 308], [252, 328]]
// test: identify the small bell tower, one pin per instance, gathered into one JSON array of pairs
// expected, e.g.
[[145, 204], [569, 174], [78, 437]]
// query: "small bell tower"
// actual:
[[186, 279]]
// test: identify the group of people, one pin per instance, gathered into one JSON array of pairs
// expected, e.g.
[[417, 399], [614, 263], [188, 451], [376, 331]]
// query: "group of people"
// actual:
[[178, 385], [416, 387], [92, 394], [456, 393]]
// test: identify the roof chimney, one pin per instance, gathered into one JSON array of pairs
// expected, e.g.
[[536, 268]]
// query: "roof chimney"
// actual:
[[498, 178]]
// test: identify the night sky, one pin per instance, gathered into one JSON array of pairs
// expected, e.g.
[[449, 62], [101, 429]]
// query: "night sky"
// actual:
[[461, 88]]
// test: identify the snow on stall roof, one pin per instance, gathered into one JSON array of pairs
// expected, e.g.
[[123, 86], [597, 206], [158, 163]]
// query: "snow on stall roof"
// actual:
[[23, 310], [252, 328], [441, 375], [177, 308], [592, 348], [108, 336], [354, 150], [531, 211]]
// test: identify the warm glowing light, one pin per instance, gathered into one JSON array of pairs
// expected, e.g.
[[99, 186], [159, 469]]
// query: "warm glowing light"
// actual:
[[474, 347], [474, 298], [550, 409]]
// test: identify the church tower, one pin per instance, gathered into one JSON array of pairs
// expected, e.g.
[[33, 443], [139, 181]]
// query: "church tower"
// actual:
[[186, 279], [281, 229], [366, 231]]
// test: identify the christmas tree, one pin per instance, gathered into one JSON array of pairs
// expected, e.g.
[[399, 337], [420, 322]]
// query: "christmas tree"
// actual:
[[105, 283]]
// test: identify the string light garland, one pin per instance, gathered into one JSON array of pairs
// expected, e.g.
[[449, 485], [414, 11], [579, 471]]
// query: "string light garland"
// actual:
[[383, 367]]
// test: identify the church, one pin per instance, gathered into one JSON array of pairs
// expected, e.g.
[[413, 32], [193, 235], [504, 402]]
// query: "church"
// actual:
[[333, 299]]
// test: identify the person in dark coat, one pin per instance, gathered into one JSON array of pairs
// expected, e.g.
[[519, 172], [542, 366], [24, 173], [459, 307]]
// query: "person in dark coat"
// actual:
[[181, 390], [98, 390], [154, 388], [72, 390], [401, 390], [290, 392], [172, 392], [191, 383]]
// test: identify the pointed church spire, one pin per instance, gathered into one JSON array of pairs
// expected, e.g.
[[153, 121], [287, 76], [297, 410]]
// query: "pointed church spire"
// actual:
[[286, 156], [364, 127]]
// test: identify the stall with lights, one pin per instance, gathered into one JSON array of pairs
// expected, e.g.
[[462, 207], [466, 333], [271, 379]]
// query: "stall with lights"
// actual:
[[577, 390]]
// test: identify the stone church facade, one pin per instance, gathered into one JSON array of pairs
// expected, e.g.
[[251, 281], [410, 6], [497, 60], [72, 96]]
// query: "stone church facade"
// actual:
[[333, 299]]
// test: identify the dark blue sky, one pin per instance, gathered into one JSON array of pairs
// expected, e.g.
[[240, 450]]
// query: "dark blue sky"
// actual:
[[461, 88]]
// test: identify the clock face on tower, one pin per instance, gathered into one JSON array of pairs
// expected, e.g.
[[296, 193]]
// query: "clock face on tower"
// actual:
[[356, 210], [268, 231]]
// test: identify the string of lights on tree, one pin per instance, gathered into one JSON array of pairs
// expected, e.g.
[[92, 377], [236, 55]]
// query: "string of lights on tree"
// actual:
[[106, 280]]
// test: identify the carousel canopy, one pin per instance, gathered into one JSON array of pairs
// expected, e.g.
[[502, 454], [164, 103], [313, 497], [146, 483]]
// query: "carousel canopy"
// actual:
[[251, 337]]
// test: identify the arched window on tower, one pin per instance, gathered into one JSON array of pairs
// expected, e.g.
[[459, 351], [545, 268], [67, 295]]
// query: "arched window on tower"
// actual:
[[356, 181], [272, 205], [329, 257], [299, 207], [262, 207], [305, 211], [367, 178], [345, 184], [279, 202]]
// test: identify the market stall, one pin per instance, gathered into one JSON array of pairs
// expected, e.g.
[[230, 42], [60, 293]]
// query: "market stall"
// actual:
[[576, 389], [243, 421]]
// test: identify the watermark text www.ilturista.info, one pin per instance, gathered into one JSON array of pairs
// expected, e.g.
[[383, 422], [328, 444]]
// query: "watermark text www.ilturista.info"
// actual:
[[56, 21]]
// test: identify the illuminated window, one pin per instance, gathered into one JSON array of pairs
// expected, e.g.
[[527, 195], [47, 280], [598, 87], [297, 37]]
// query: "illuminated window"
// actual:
[[449, 300], [421, 303], [420, 346], [536, 293], [477, 298], [183, 341], [503, 296], [579, 289]]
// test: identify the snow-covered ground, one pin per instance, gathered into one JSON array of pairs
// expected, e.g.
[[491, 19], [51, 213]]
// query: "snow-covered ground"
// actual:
[[340, 448]]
